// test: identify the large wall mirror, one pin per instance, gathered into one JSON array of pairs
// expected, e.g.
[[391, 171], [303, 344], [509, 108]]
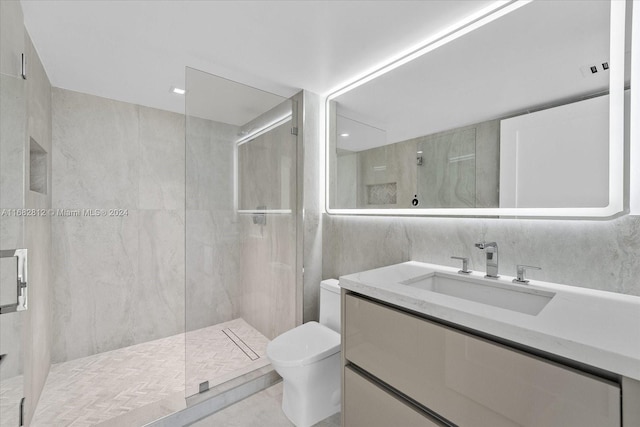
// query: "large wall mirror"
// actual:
[[519, 112]]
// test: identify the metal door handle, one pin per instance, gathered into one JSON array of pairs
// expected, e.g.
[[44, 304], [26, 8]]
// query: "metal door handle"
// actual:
[[22, 282]]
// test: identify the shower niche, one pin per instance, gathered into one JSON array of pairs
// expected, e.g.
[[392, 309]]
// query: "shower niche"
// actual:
[[38, 160]]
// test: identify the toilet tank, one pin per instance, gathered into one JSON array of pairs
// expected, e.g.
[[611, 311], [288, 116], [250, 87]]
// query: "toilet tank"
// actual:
[[330, 304]]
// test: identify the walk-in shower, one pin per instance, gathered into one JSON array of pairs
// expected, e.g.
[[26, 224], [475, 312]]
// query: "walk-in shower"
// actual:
[[175, 295]]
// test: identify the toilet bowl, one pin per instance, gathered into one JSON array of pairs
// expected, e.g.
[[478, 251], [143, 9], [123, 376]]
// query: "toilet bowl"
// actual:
[[308, 360]]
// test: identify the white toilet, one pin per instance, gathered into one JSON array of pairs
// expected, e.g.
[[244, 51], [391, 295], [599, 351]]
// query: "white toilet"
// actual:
[[308, 360]]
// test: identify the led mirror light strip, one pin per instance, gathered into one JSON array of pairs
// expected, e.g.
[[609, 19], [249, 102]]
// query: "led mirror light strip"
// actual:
[[616, 121]]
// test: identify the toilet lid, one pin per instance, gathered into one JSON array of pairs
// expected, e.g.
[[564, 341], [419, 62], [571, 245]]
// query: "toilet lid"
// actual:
[[303, 345]]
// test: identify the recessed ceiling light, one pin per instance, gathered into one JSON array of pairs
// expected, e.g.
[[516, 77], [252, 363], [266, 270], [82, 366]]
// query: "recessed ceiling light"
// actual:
[[344, 134], [178, 91]]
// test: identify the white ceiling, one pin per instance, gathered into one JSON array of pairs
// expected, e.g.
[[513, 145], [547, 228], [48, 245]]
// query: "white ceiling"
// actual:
[[134, 51]]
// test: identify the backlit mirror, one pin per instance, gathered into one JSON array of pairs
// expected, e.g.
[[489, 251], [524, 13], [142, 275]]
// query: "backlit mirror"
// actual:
[[518, 112]]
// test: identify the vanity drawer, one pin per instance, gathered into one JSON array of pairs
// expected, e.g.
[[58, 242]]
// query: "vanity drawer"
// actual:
[[468, 380], [367, 405]]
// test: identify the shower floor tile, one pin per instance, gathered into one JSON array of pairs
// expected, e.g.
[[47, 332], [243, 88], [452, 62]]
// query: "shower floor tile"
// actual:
[[10, 395], [138, 384]]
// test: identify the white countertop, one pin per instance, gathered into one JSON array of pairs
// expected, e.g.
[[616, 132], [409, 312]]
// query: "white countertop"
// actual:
[[598, 328]]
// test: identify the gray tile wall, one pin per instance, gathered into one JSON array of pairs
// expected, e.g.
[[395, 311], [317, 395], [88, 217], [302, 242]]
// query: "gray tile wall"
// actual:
[[119, 280], [601, 254], [267, 177], [213, 237], [38, 236]]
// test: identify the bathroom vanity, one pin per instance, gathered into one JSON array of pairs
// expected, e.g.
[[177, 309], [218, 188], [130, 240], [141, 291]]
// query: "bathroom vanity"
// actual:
[[424, 345]]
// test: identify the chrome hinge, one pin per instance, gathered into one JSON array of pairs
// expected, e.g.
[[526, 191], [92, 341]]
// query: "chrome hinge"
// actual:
[[294, 131]]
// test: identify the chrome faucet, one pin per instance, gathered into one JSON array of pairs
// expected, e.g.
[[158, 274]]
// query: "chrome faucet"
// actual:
[[491, 250]]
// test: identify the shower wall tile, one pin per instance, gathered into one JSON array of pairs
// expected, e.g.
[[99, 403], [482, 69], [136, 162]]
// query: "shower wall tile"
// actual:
[[37, 348], [96, 158], [158, 296], [212, 237], [13, 147], [212, 264], [12, 192], [268, 274], [209, 164], [12, 37], [266, 177], [95, 287], [162, 167], [118, 280], [592, 254]]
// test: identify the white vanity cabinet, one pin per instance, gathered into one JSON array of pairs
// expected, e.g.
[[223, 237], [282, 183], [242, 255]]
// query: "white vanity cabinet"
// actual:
[[419, 371]]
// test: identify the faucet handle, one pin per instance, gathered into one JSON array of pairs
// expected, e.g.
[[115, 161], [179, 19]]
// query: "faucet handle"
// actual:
[[465, 264], [520, 272]]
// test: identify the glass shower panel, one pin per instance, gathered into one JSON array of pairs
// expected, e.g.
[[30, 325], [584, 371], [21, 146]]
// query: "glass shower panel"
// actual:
[[12, 231], [241, 229]]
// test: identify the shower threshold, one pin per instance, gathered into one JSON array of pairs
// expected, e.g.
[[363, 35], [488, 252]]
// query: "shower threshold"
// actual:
[[144, 382]]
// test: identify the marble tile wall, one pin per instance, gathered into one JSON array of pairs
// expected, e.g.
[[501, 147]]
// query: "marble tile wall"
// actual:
[[39, 333], [118, 279], [26, 115], [12, 153], [601, 255], [447, 176], [347, 175], [13, 122], [212, 229], [11, 37], [394, 163], [267, 177], [438, 182]]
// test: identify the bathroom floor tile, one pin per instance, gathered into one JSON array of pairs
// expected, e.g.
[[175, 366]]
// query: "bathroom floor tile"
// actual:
[[11, 391], [262, 409], [138, 384]]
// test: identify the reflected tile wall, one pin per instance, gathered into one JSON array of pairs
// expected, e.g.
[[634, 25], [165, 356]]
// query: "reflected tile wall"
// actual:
[[119, 280], [394, 163], [592, 254]]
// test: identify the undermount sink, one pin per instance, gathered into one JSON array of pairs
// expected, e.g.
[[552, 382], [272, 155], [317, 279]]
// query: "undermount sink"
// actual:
[[507, 296]]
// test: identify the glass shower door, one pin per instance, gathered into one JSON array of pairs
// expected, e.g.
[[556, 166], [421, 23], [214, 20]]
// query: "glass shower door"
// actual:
[[241, 227], [13, 320]]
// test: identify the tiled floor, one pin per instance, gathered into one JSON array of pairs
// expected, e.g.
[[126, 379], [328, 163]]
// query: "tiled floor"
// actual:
[[263, 409], [10, 395], [137, 384]]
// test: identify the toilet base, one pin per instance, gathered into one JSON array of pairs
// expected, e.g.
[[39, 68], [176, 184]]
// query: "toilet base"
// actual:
[[314, 392]]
